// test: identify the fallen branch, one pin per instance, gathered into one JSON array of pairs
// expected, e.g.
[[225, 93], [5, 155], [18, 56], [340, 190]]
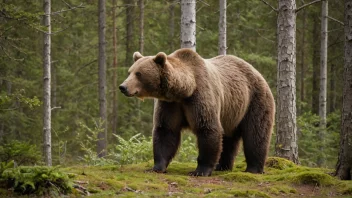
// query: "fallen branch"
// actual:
[[81, 189]]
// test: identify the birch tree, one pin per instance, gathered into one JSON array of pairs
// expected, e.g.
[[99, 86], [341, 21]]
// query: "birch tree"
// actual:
[[46, 84], [344, 163], [323, 78], [188, 24], [222, 28], [102, 135], [286, 128], [114, 77]]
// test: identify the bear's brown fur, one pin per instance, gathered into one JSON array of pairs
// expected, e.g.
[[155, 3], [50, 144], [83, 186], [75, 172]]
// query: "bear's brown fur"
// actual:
[[222, 100]]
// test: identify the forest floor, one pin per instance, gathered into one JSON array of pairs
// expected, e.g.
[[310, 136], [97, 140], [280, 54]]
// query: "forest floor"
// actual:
[[281, 179]]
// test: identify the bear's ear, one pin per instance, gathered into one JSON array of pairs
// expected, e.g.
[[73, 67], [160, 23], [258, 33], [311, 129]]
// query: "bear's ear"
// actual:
[[137, 56], [160, 59]]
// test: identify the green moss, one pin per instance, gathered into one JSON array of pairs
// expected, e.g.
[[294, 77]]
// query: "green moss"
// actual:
[[248, 193], [282, 189], [240, 177], [279, 163], [346, 187], [315, 178]]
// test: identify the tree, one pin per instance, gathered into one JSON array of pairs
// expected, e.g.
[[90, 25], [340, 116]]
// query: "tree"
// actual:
[[188, 24], [172, 23], [344, 163], [303, 67], [323, 78], [129, 31], [102, 135], [222, 28], [286, 129], [46, 84], [114, 77], [141, 26]]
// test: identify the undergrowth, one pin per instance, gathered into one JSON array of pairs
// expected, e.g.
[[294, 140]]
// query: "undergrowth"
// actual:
[[36, 180]]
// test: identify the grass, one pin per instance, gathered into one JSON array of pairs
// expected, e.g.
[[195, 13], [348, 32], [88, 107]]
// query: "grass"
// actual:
[[281, 179]]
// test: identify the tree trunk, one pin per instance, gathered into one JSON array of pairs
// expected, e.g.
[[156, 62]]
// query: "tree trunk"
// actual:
[[332, 88], [46, 84], [54, 89], [172, 24], [129, 31], [302, 76], [141, 50], [222, 28], [315, 79], [102, 135], [286, 129], [323, 79], [344, 163], [188, 24], [114, 78], [141, 26]]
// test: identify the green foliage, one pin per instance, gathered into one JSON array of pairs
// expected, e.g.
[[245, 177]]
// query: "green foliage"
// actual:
[[188, 151], [309, 141], [38, 180], [22, 153], [134, 150], [6, 165]]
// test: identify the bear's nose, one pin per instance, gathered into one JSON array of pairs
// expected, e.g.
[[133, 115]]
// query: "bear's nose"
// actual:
[[123, 89]]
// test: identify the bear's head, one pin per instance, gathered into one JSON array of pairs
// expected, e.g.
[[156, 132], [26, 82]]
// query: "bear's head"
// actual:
[[160, 76]]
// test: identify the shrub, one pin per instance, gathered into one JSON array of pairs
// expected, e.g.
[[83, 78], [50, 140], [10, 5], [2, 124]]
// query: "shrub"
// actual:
[[22, 153], [39, 180]]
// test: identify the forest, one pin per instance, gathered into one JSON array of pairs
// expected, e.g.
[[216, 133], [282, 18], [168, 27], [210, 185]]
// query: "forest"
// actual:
[[65, 127]]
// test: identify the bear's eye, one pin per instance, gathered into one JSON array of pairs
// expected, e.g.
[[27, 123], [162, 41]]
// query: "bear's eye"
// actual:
[[138, 74]]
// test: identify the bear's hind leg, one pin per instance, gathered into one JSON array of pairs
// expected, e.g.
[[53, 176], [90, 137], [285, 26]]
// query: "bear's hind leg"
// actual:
[[230, 147], [256, 130]]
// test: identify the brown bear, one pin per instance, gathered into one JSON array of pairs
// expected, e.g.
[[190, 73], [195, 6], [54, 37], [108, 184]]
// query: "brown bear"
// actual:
[[222, 100]]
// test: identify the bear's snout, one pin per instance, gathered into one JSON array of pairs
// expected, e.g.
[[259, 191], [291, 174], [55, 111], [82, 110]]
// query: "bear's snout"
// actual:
[[123, 89]]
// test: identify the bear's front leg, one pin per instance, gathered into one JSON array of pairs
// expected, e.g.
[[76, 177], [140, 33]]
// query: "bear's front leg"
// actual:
[[209, 145], [165, 144], [168, 121]]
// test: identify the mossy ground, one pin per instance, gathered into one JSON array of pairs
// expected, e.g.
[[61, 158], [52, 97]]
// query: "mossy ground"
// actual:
[[281, 179]]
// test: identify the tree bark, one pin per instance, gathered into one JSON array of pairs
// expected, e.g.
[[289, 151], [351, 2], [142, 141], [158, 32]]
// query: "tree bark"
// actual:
[[129, 31], [46, 84], [222, 28], [344, 163], [315, 79], [286, 129], [102, 135], [188, 24], [114, 78], [172, 24], [54, 85], [141, 26], [332, 99], [323, 79], [303, 68]]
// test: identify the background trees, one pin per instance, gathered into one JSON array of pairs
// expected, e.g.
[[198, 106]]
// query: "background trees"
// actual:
[[251, 35], [344, 163]]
